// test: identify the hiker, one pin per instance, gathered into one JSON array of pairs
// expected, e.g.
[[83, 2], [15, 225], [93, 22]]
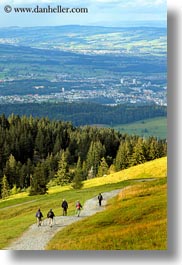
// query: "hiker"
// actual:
[[50, 216], [100, 198], [65, 207], [78, 208], [39, 216]]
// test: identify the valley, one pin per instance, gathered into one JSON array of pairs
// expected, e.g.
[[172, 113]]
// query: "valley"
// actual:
[[83, 64]]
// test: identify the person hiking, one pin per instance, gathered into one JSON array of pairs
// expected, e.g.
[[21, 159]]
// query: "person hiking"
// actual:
[[39, 217], [100, 198], [78, 208], [50, 216], [65, 207]]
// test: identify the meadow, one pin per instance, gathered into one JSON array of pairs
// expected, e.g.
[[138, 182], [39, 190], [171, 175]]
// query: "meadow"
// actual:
[[156, 127], [18, 211], [136, 220]]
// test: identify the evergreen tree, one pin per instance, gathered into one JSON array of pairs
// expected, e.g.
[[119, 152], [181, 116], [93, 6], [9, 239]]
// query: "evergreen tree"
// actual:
[[29, 172], [112, 169], [77, 180], [95, 152], [5, 190], [10, 170], [123, 156], [139, 154], [103, 168], [83, 143], [38, 181], [153, 150], [15, 190], [57, 145], [62, 176], [91, 173], [51, 165], [84, 171], [40, 143]]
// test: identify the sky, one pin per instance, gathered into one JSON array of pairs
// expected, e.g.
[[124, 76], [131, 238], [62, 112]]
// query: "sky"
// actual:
[[100, 12]]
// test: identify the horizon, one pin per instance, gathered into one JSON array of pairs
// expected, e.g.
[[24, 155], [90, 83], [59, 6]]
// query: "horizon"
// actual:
[[148, 24]]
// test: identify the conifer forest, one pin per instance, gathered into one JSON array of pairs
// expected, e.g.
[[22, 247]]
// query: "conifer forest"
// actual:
[[37, 153]]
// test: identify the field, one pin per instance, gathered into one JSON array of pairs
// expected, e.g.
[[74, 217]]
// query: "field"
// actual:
[[156, 127], [136, 220], [19, 210]]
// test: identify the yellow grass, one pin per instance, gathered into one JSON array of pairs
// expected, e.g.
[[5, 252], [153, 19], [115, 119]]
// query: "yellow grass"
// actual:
[[134, 220], [152, 169]]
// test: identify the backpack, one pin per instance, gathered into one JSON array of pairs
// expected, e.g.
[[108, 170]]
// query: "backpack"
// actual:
[[100, 197], [78, 205], [50, 215], [39, 214], [64, 205]]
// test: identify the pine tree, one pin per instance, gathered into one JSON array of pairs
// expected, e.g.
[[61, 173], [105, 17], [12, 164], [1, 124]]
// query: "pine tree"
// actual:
[[38, 181], [139, 154], [62, 176], [95, 153], [123, 156], [10, 170], [77, 180], [84, 171], [91, 173], [103, 168], [153, 150], [112, 169], [5, 190], [40, 143]]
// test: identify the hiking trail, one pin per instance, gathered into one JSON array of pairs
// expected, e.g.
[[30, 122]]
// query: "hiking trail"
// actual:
[[36, 238]]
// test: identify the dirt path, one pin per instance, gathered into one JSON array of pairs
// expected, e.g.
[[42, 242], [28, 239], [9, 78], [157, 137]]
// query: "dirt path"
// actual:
[[16, 205], [36, 238]]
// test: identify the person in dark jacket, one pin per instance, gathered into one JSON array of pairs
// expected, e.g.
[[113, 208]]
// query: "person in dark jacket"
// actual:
[[65, 207], [39, 217], [100, 198], [50, 216]]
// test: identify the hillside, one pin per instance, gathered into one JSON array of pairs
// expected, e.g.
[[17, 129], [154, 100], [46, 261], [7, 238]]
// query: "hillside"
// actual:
[[156, 127], [135, 220], [90, 39], [36, 153], [23, 208]]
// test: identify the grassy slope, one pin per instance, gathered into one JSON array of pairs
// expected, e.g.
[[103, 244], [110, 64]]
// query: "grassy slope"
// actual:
[[152, 169], [136, 220], [151, 127], [23, 215]]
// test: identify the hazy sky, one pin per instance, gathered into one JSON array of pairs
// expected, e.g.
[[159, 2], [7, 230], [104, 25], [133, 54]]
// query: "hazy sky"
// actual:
[[100, 12]]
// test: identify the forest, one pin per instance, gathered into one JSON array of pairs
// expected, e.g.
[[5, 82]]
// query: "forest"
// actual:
[[87, 113], [36, 153]]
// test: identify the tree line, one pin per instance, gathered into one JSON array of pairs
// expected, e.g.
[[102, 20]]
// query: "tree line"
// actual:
[[87, 113], [36, 153]]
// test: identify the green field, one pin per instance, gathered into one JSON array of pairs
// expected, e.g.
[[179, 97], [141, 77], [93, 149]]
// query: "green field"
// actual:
[[134, 220], [18, 211], [156, 127]]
